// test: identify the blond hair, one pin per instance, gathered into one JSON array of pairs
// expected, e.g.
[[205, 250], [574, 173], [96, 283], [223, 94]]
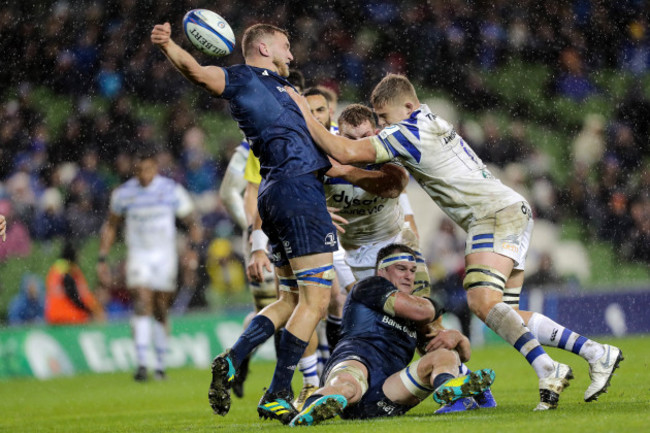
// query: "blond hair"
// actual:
[[254, 33], [390, 88]]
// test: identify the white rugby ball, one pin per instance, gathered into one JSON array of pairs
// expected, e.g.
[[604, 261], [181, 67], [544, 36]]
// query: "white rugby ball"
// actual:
[[209, 32]]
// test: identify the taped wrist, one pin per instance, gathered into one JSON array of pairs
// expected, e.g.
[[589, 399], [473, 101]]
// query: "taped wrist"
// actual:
[[259, 240]]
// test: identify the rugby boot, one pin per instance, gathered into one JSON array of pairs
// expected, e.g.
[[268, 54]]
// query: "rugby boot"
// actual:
[[159, 375], [306, 391], [460, 405], [223, 375], [601, 372], [141, 374], [240, 378], [277, 406], [464, 386], [550, 387], [326, 407], [485, 399]]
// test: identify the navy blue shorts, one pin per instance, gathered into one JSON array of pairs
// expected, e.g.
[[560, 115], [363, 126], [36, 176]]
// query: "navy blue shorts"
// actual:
[[374, 402], [295, 218]]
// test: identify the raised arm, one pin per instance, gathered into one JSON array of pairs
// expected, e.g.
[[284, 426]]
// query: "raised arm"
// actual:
[[212, 78]]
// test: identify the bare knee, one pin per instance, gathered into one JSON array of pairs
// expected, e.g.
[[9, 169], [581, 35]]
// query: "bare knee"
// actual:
[[347, 386]]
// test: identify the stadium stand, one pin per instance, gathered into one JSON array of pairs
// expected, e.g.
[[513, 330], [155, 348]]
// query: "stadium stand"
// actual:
[[82, 85]]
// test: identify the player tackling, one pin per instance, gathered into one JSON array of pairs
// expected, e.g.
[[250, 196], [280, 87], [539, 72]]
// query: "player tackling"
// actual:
[[498, 222]]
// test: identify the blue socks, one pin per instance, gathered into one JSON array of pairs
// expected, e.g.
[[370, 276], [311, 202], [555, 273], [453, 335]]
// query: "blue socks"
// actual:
[[258, 331], [291, 351]]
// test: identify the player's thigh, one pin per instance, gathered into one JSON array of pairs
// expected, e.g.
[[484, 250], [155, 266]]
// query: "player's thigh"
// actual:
[[296, 220], [161, 302], [143, 300], [492, 240], [315, 275]]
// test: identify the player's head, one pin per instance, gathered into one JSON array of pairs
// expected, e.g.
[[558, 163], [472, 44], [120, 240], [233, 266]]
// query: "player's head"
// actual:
[[269, 42], [396, 263], [357, 121], [394, 99], [319, 106], [145, 164], [332, 98], [296, 79]]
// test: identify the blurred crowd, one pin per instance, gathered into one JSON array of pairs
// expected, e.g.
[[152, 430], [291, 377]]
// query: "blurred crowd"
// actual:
[[56, 183]]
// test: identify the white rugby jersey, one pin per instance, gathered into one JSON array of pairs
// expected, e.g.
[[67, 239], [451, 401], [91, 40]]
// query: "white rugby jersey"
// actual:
[[233, 185], [150, 212], [445, 166], [371, 218]]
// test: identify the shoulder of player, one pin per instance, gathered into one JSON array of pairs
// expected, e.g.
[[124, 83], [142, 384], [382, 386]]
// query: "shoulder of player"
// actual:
[[372, 284]]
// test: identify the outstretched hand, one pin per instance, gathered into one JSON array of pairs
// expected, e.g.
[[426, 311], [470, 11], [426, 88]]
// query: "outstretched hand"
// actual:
[[161, 34]]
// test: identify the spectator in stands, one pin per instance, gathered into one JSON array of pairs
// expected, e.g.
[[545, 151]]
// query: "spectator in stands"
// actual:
[[28, 305], [3, 228], [589, 145], [546, 275], [68, 299], [446, 261], [50, 220], [637, 244], [18, 242], [573, 81]]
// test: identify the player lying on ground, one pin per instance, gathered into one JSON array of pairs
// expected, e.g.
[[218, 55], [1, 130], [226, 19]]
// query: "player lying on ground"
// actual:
[[369, 374]]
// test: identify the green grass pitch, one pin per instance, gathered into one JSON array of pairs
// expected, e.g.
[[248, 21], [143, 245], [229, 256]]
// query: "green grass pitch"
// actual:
[[114, 403]]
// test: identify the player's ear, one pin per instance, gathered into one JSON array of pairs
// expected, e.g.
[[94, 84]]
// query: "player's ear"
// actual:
[[263, 49], [410, 106]]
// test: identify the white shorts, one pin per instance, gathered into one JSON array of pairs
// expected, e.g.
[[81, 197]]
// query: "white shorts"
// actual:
[[152, 270], [343, 271], [507, 233]]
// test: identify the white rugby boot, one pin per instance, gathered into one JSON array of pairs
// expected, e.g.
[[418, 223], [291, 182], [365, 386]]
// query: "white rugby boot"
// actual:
[[601, 372], [551, 386]]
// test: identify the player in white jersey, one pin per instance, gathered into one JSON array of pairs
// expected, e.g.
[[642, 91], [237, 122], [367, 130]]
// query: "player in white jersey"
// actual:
[[149, 204], [497, 220], [377, 215], [233, 186]]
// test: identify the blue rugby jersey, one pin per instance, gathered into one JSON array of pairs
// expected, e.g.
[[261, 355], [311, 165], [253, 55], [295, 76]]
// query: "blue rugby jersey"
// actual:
[[383, 340], [273, 124]]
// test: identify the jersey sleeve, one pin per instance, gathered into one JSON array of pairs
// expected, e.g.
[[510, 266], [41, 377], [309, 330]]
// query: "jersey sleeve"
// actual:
[[236, 78], [405, 204], [376, 293], [116, 206], [252, 170], [401, 140], [184, 206]]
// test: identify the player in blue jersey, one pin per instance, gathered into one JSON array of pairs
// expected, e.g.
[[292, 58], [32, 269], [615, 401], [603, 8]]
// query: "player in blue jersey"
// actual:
[[370, 373], [291, 203], [498, 222]]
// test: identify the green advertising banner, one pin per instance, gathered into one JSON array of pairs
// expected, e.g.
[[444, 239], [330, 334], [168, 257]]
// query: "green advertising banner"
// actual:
[[50, 351]]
